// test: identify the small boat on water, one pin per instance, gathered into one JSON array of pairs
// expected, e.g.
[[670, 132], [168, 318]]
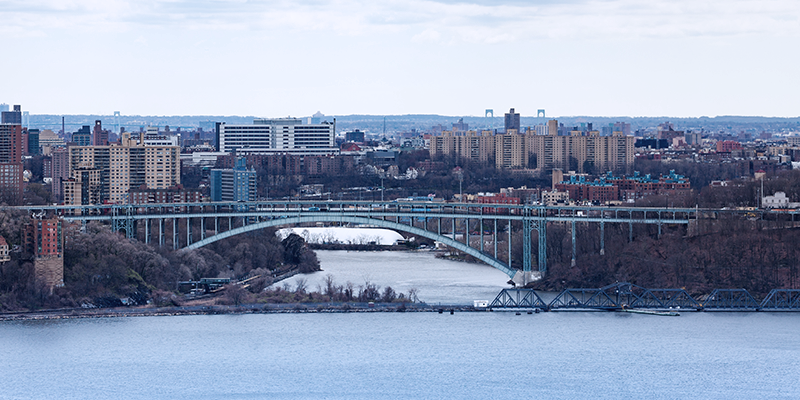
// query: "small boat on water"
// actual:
[[652, 312]]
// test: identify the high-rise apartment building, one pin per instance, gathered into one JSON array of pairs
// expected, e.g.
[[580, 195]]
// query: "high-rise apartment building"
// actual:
[[99, 136], [83, 137], [12, 117], [128, 164], [278, 136], [11, 149], [60, 172], [83, 187], [512, 120], [237, 184], [33, 142], [574, 152]]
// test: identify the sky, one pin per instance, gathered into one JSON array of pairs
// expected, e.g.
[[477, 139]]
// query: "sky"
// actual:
[[680, 58]]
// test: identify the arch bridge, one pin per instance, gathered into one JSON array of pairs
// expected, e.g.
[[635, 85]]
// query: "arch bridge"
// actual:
[[474, 229]]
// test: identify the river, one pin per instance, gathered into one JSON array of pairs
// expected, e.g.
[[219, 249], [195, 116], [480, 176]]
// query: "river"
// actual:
[[438, 281], [486, 355]]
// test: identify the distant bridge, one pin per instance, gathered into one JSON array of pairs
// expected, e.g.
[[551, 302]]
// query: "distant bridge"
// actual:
[[624, 295], [194, 225]]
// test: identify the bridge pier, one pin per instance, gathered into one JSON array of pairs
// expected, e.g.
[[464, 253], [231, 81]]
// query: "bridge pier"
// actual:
[[574, 244], [466, 231], [630, 231], [161, 232], [509, 243], [480, 222], [175, 243], [526, 244], [542, 247], [602, 238], [495, 238]]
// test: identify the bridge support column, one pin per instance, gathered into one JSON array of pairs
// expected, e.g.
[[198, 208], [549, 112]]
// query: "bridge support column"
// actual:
[[202, 228], [147, 231], [526, 244], [602, 238], [574, 249], [630, 231], [542, 248], [480, 226], [509, 243], [466, 231], [454, 228], [175, 234], [216, 225], [495, 238], [188, 231], [161, 232]]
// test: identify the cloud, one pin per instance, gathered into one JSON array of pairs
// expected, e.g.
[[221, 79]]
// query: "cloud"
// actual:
[[428, 35], [467, 21]]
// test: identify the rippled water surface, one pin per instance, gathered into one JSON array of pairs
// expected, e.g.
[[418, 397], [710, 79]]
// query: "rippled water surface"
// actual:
[[405, 355], [556, 355]]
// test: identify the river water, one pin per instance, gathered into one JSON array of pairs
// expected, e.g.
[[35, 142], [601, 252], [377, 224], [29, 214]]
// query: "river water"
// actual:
[[497, 355], [438, 281]]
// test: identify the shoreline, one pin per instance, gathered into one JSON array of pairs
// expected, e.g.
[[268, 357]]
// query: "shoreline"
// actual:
[[283, 308]]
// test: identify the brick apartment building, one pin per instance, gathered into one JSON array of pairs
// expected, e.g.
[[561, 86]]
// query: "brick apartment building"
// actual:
[[44, 239]]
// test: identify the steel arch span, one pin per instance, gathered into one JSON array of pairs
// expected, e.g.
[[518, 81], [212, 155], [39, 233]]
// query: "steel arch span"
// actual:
[[489, 260]]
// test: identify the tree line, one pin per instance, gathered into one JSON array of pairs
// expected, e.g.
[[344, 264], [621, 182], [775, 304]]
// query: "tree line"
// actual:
[[100, 265]]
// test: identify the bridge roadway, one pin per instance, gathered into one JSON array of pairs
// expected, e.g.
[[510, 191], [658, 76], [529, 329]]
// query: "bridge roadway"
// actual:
[[411, 217]]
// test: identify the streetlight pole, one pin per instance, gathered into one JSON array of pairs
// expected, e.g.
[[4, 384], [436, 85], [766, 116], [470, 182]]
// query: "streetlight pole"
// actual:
[[460, 174]]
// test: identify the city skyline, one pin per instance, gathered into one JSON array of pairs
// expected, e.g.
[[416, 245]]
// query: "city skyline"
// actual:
[[603, 58]]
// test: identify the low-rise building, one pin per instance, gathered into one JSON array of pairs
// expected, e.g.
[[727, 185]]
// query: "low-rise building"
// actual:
[[174, 194], [555, 197], [778, 200], [608, 188], [495, 198], [5, 256]]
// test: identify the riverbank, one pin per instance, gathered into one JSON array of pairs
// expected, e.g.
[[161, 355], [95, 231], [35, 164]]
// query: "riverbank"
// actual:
[[290, 308]]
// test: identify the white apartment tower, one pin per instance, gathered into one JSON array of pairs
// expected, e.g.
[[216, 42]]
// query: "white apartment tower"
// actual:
[[279, 136]]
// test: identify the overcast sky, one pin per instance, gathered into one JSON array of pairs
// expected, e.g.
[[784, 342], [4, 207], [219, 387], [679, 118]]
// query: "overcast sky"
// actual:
[[279, 58]]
